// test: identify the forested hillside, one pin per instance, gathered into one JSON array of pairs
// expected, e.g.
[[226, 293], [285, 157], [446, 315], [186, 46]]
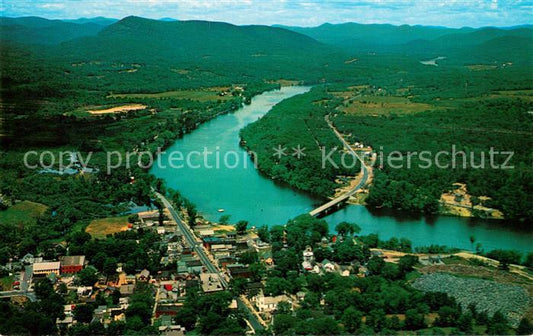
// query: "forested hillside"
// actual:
[[460, 46], [35, 30]]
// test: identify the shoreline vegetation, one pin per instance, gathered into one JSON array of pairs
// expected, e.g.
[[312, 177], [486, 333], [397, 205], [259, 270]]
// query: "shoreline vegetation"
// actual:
[[145, 92], [503, 195]]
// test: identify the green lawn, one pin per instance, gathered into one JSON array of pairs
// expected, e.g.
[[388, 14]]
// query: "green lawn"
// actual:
[[23, 214], [200, 95]]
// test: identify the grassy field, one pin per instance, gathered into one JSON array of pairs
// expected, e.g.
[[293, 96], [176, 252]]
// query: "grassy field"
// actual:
[[209, 94], [23, 214], [481, 67], [6, 283], [100, 228], [382, 105]]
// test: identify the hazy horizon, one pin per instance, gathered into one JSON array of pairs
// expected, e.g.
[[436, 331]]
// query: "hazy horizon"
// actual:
[[171, 19], [304, 13]]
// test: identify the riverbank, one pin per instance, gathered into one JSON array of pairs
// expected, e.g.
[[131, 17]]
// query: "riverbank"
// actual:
[[261, 201]]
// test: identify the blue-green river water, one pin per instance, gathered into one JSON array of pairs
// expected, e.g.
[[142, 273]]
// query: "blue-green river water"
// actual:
[[220, 180]]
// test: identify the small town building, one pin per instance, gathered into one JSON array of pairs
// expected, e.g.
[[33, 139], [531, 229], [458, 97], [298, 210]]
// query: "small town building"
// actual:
[[71, 264], [268, 304], [211, 282], [45, 268]]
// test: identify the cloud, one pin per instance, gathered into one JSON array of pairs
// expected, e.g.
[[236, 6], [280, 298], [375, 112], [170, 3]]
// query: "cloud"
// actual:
[[453, 13]]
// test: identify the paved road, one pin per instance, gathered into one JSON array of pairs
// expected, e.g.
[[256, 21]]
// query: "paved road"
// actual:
[[29, 295], [345, 196], [212, 268]]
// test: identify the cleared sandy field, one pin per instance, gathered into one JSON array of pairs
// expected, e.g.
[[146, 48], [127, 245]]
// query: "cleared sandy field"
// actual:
[[119, 109], [100, 228]]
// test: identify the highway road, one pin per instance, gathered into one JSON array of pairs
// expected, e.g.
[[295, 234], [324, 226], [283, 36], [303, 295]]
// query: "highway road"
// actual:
[[212, 268], [364, 179]]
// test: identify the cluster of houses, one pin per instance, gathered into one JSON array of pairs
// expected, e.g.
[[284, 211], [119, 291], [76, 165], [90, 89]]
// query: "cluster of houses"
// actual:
[[181, 271]]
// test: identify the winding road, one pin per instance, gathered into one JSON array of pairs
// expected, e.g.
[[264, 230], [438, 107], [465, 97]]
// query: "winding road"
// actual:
[[347, 195]]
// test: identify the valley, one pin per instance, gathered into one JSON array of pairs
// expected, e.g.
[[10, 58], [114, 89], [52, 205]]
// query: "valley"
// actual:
[[263, 122]]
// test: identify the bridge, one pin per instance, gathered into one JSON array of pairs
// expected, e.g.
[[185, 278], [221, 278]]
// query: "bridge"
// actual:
[[339, 201]]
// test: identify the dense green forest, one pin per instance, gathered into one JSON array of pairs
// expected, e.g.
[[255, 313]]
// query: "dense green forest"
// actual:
[[53, 73], [47, 89], [473, 128], [44, 108], [297, 123], [459, 110]]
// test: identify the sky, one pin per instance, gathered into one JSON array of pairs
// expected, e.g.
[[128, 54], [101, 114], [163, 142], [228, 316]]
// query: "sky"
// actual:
[[450, 13]]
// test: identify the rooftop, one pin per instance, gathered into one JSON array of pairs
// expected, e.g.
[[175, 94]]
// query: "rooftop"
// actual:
[[72, 260], [210, 282], [44, 266]]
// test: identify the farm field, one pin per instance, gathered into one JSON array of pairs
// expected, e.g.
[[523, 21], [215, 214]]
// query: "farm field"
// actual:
[[209, 94], [382, 105], [23, 214], [100, 228]]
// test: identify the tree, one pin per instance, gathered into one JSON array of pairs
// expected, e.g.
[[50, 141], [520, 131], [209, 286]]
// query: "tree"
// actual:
[[87, 276], [283, 323], [133, 218], [390, 271], [186, 317], [371, 240], [62, 288], [414, 320], [224, 219], [448, 316], [43, 289], [241, 226], [345, 228], [284, 308], [351, 319], [209, 322], [277, 286], [318, 326], [83, 313], [407, 263], [248, 258], [505, 257], [466, 323], [98, 260], [191, 212], [375, 265], [347, 251], [115, 297], [264, 233], [257, 269], [529, 261], [525, 327], [498, 325], [376, 319], [110, 266]]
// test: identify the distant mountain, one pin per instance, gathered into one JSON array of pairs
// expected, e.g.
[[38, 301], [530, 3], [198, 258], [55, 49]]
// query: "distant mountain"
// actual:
[[144, 39], [386, 34], [99, 20], [487, 44], [168, 19], [35, 30], [212, 49]]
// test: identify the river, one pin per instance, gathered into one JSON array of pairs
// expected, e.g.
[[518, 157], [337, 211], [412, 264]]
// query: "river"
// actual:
[[215, 173]]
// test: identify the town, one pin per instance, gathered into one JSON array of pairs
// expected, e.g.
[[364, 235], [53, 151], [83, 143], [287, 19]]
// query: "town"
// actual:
[[196, 260]]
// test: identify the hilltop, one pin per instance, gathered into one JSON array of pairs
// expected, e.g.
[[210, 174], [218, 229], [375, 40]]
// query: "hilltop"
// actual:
[[501, 44]]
